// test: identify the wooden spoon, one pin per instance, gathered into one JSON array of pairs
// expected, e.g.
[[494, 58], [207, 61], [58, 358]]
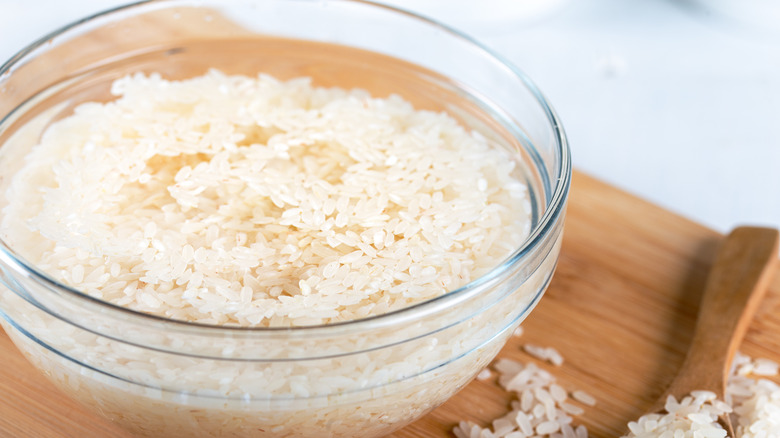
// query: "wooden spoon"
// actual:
[[735, 286]]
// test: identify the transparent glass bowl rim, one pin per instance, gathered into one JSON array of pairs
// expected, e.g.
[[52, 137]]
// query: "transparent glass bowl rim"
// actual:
[[555, 206]]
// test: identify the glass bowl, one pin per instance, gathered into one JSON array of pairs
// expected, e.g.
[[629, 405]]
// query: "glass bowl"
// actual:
[[368, 377]]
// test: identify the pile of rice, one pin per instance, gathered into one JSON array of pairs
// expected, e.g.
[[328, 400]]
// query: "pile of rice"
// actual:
[[753, 403], [257, 202], [755, 400], [543, 408], [696, 415]]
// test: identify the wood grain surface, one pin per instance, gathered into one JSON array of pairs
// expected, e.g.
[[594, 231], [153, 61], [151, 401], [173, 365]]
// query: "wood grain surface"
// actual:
[[621, 309]]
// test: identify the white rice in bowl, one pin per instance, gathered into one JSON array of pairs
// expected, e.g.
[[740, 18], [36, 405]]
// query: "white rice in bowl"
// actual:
[[256, 202], [252, 202]]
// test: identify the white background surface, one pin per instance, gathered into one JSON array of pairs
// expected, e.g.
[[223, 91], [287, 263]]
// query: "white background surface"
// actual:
[[673, 101]]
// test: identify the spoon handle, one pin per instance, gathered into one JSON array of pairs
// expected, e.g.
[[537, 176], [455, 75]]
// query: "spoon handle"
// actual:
[[735, 286]]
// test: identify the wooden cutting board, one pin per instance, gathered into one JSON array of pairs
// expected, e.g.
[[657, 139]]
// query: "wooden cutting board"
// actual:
[[621, 310]]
